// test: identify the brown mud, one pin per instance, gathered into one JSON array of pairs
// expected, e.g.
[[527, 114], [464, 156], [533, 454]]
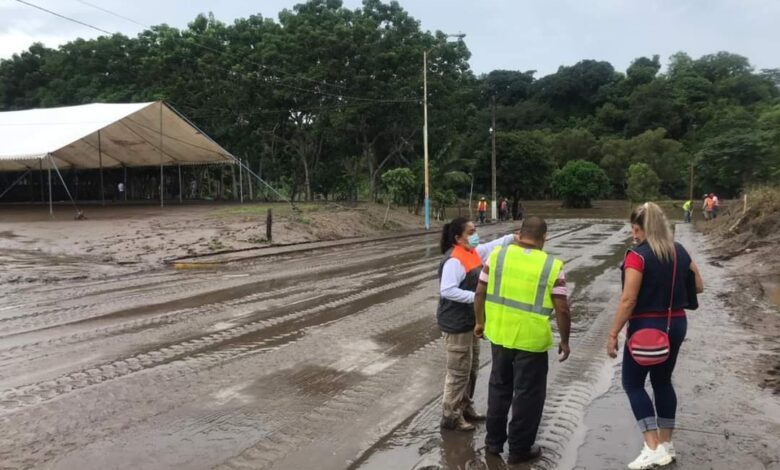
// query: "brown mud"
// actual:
[[331, 359]]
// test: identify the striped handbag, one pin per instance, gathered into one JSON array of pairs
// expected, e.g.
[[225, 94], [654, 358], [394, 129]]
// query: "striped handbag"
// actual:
[[650, 346]]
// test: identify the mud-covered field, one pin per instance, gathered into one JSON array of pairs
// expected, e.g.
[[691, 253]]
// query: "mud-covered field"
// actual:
[[331, 359]]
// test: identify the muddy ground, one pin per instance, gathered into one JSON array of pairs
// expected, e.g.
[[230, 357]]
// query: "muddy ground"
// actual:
[[129, 238], [331, 359]]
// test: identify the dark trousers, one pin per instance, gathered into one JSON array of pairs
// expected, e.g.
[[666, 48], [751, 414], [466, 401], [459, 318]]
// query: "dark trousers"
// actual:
[[649, 414], [517, 379]]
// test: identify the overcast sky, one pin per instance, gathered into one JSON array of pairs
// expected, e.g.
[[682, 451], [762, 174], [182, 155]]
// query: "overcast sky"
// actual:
[[501, 34]]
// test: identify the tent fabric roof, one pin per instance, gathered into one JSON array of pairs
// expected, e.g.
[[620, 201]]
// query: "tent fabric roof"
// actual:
[[130, 136]]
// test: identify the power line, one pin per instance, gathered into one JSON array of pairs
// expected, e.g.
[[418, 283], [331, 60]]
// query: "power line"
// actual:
[[112, 13], [203, 46], [65, 17]]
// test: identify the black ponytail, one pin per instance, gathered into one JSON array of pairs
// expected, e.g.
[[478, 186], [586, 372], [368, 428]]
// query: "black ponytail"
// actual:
[[451, 230]]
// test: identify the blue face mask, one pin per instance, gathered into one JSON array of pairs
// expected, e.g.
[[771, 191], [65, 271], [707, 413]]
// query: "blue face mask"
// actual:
[[474, 240]]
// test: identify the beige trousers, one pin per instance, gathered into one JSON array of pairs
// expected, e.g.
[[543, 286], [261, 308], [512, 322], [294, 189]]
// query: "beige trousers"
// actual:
[[462, 367]]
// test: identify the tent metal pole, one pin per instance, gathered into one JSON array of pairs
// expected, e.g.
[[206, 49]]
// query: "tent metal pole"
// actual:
[[51, 203], [16, 181], [162, 175], [100, 159], [241, 181], [181, 190], [40, 177]]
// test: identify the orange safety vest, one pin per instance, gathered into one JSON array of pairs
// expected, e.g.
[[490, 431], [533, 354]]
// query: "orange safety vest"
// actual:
[[469, 259], [709, 203], [482, 206]]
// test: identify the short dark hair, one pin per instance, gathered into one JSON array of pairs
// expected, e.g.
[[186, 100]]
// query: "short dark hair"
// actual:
[[534, 227]]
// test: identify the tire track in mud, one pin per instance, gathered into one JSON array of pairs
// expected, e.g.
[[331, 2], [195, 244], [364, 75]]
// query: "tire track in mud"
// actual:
[[52, 317], [180, 382], [190, 354], [339, 410], [240, 306]]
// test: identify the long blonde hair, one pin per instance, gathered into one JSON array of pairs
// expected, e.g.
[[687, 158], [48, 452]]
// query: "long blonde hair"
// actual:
[[651, 218]]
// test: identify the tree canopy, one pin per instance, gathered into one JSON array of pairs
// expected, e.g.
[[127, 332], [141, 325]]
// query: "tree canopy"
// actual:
[[323, 100]]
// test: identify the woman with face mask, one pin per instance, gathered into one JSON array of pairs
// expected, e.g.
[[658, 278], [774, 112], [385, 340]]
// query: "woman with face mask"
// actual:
[[458, 278]]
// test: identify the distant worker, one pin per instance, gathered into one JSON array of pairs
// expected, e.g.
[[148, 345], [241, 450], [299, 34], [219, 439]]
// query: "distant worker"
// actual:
[[655, 294], [503, 210], [458, 276], [120, 189], [707, 207], [687, 211], [519, 288], [715, 205], [482, 209]]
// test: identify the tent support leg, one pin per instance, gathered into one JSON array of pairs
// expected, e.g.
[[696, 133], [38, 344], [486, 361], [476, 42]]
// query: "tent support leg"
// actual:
[[162, 175], [124, 181], [16, 181], [100, 159], [181, 190], [51, 203]]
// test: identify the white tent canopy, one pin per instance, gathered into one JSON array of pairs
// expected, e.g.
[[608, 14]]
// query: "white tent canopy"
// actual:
[[101, 135]]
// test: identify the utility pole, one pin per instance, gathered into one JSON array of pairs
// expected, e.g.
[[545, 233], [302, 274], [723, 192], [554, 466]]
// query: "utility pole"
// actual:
[[493, 214], [426, 197], [690, 192]]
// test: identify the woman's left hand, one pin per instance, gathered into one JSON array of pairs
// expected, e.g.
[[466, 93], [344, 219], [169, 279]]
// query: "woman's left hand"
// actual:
[[612, 346]]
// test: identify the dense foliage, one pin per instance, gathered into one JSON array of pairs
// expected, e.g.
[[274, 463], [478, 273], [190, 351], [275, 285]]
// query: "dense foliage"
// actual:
[[643, 183], [325, 99], [579, 182]]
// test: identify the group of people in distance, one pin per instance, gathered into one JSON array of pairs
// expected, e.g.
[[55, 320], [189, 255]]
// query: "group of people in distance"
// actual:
[[505, 291], [503, 210], [710, 206]]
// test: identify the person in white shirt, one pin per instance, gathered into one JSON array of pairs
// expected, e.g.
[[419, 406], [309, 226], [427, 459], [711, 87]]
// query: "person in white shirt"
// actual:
[[459, 272]]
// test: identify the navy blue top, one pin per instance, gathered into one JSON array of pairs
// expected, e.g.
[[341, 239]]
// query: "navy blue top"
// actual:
[[656, 289]]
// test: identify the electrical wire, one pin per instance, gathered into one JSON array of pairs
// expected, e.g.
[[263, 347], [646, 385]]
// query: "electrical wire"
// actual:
[[205, 47], [64, 17]]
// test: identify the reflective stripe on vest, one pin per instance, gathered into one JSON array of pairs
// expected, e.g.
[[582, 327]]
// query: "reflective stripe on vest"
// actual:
[[517, 310]]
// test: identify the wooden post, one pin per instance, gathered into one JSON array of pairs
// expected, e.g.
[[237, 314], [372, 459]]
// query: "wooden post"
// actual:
[[241, 179], [268, 223], [100, 160], [181, 189]]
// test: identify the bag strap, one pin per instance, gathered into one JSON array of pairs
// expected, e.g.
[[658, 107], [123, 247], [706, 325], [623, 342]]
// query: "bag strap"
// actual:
[[671, 296]]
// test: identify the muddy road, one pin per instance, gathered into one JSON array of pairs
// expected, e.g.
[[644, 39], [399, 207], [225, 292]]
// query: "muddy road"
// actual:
[[327, 359]]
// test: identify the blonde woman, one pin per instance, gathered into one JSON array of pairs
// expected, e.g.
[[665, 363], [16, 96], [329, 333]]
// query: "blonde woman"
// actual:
[[647, 292]]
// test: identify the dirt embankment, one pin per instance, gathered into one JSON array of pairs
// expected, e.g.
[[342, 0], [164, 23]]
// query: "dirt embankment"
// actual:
[[116, 239], [746, 238]]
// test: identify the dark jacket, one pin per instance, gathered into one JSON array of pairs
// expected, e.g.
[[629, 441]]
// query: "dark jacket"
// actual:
[[457, 317]]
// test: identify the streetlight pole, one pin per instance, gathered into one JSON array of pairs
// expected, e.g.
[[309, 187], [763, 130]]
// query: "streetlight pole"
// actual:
[[427, 199], [493, 163]]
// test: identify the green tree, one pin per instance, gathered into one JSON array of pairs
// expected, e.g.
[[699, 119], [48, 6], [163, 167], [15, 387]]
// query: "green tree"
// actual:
[[643, 183], [399, 185], [579, 182]]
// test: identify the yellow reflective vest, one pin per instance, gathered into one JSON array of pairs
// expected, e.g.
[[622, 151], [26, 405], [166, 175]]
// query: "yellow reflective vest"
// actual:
[[519, 302]]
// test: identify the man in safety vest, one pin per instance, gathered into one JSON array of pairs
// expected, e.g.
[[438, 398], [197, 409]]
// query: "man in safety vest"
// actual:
[[482, 209], [520, 286], [687, 211]]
